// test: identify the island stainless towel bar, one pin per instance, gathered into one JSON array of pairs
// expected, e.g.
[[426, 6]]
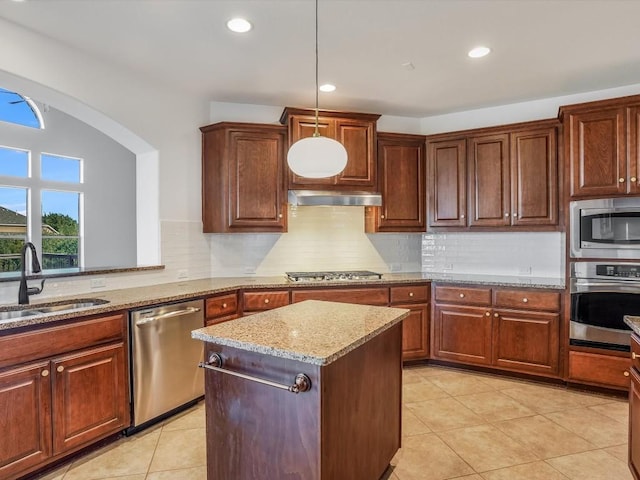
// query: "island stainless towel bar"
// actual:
[[302, 382]]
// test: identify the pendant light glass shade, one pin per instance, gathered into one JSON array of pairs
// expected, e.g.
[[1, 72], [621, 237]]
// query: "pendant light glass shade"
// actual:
[[317, 157]]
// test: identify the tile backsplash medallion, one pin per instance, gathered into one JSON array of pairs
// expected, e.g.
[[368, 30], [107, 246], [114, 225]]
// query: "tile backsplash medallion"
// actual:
[[537, 254]]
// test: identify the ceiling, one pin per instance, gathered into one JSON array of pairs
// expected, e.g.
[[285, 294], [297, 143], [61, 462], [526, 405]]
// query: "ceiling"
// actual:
[[540, 48]]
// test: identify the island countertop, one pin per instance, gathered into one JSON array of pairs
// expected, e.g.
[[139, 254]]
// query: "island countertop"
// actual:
[[633, 322], [312, 331]]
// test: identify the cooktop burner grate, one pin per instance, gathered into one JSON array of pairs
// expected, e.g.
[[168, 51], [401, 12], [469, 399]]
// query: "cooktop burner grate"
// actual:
[[333, 276]]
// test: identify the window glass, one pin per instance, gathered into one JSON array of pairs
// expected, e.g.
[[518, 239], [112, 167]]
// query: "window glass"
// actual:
[[14, 162], [15, 108], [13, 226], [60, 169], [60, 229]]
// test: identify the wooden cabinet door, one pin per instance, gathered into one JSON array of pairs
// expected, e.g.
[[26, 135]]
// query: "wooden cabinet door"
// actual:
[[256, 181], [597, 152], [447, 204], [488, 170], [401, 167], [358, 138], [526, 341], [633, 142], [534, 177], [462, 334], [25, 402], [634, 424], [303, 127], [361, 296], [90, 396], [415, 332]]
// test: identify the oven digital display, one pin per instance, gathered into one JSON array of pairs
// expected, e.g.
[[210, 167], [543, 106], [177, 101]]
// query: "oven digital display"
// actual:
[[632, 271]]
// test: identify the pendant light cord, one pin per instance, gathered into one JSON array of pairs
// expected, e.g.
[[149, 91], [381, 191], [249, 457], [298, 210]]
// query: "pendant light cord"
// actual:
[[316, 133]]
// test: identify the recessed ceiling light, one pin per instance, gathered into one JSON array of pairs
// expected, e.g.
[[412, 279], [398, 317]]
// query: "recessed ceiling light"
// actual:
[[239, 25], [327, 87], [478, 52]]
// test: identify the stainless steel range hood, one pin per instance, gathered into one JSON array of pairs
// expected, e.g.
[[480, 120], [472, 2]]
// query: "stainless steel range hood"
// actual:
[[334, 198]]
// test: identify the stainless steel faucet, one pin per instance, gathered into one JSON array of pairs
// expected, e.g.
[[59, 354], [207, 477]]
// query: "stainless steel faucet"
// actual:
[[25, 291]]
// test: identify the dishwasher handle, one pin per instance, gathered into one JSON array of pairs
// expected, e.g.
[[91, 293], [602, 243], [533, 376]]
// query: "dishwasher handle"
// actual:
[[175, 313]]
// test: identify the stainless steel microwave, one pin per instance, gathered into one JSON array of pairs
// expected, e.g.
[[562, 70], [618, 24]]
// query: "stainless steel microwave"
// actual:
[[605, 228]]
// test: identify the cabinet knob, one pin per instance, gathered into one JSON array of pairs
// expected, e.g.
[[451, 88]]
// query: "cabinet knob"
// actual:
[[487, 314], [621, 180], [525, 300], [279, 215], [266, 300], [496, 315], [382, 216], [515, 214], [411, 294], [506, 214], [626, 374], [462, 216], [462, 295], [44, 373], [224, 305], [634, 355], [633, 179], [60, 368]]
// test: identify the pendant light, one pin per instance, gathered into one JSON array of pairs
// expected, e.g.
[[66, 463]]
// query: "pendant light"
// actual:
[[317, 156]]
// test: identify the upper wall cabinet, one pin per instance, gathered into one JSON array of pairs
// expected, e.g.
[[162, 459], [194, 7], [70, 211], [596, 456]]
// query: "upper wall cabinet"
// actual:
[[243, 178], [497, 178], [601, 146], [356, 131], [401, 169]]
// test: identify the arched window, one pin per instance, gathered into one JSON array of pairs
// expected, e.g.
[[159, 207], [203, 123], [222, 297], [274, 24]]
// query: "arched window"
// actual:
[[15, 108]]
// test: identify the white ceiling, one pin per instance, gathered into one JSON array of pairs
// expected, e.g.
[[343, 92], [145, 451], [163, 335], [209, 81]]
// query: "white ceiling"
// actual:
[[541, 48]]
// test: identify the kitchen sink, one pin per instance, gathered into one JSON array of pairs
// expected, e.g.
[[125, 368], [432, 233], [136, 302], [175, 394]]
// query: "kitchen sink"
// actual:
[[16, 312]]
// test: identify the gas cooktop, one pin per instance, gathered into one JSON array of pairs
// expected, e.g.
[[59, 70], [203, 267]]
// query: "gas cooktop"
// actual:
[[349, 275]]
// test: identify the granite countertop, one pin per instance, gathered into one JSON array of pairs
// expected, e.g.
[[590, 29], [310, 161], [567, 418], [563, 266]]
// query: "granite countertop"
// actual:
[[633, 322], [139, 297], [312, 331]]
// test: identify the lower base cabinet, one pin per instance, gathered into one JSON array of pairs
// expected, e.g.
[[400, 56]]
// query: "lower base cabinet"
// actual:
[[634, 423], [415, 332], [599, 369], [462, 334], [74, 396]]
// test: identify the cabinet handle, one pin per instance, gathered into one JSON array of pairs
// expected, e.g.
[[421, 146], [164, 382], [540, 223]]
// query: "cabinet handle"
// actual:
[[633, 179], [60, 369], [44, 373], [411, 294], [621, 180], [525, 300], [496, 315], [626, 374], [462, 295], [487, 314], [266, 300], [224, 305], [634, 355]]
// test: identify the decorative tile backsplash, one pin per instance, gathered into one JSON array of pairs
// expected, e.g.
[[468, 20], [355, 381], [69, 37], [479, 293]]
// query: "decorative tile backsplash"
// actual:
[[539, 254]]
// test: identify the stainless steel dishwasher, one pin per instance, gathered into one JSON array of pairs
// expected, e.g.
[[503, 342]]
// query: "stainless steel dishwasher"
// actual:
[[164, 360]]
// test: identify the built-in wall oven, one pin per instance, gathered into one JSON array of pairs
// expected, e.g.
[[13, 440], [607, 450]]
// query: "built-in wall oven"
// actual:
[[605, 228], [602, 293]]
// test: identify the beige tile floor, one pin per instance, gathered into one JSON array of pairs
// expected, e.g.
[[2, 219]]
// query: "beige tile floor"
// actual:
[[456, 425]]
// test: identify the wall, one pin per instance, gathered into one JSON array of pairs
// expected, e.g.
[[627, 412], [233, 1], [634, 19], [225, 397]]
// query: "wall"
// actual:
[[109, 182]]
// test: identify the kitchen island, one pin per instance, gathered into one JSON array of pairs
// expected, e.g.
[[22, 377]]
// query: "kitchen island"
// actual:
[[331, 404]]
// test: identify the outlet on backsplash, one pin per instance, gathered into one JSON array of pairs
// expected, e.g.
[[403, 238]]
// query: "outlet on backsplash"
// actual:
[[447, 266], [524, 270], [98, 282], [182, 274]]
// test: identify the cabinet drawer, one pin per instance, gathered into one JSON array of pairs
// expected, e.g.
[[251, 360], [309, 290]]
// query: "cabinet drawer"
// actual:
[[220, 306], [361, 296], [256, 301], [411, 293], [46, 342], [603, 370], [523, 299], [476, 296]]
